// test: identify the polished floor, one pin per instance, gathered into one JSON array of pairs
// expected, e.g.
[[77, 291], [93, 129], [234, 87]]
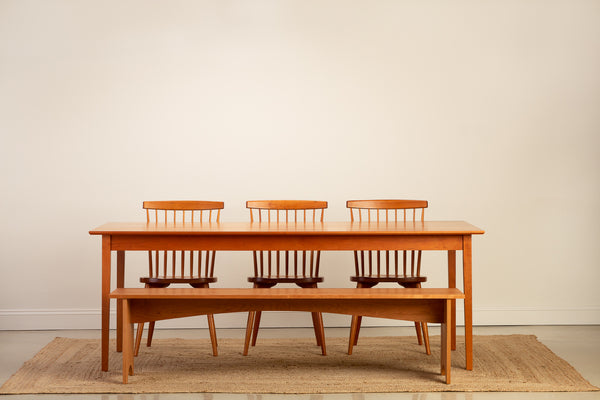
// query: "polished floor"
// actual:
[[579, 345]]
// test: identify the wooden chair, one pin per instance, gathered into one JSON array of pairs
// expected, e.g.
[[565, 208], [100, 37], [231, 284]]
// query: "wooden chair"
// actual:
[[166, 267], [402, 267], [274, 267]]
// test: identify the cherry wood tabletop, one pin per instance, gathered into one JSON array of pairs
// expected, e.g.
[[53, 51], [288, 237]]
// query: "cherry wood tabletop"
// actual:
[[308, 228]]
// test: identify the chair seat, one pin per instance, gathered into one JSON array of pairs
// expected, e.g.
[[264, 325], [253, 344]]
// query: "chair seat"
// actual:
[[401, 279], [272, 281], [167, 280]]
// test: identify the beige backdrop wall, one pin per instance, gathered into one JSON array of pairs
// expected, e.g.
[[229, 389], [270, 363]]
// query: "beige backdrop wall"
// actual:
[[488, 109]]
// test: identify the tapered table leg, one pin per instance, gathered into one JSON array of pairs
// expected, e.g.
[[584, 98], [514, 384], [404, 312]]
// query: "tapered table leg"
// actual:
[[468, 283], [106, 239], [120, 284], [452, 284]]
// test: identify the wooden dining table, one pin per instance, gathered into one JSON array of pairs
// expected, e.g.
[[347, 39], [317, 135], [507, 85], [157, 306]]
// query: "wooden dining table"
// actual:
[[450, 236]]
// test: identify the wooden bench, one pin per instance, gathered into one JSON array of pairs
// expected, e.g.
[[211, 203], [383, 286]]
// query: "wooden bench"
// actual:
[[147, 304]]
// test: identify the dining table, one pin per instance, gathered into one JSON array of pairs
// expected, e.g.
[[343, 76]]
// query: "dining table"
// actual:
[[449, 236]]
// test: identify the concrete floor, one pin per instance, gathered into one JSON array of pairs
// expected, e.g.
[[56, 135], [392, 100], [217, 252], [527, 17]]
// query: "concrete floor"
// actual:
[[579, 345]]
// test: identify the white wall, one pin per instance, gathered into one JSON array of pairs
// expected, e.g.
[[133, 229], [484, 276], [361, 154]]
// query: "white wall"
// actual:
[[488, 109]]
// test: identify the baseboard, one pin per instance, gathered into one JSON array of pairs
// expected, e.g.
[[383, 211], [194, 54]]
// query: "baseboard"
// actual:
[[536, 316], [58, 319]]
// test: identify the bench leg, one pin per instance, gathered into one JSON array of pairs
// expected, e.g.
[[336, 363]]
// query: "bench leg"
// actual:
[[127, 339], [446, 335]]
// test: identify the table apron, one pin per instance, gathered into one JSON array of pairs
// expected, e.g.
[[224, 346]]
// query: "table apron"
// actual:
[[241, 242]]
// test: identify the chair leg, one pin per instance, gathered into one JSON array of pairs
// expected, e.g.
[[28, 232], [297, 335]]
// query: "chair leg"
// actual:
[[213, 333], [418, 329], [253, 322], [357, 320], [358, 324], [138, 338], [249, 326], [421, 326], [317, 318], [257, 316], [211, 322], [150, 333], [426, 337], [353, 333]]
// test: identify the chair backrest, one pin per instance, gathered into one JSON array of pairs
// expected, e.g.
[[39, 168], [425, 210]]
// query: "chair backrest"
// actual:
[[275, 264], [286, 210], [386, 211], [183, 211], [182, 263]]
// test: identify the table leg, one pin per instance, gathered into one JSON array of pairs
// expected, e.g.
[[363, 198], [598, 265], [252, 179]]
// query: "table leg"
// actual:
[[120, 284], [468, 281], [105, 304], [452, 284]]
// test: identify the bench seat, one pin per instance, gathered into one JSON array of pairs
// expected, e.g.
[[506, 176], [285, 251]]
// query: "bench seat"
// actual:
[[152, 304]]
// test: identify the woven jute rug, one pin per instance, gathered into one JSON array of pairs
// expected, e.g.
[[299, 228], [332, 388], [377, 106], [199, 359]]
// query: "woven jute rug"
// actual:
[[379, 364]]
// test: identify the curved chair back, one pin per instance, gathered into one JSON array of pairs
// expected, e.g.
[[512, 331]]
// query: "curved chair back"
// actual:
[[368, 264], [182, 266]]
